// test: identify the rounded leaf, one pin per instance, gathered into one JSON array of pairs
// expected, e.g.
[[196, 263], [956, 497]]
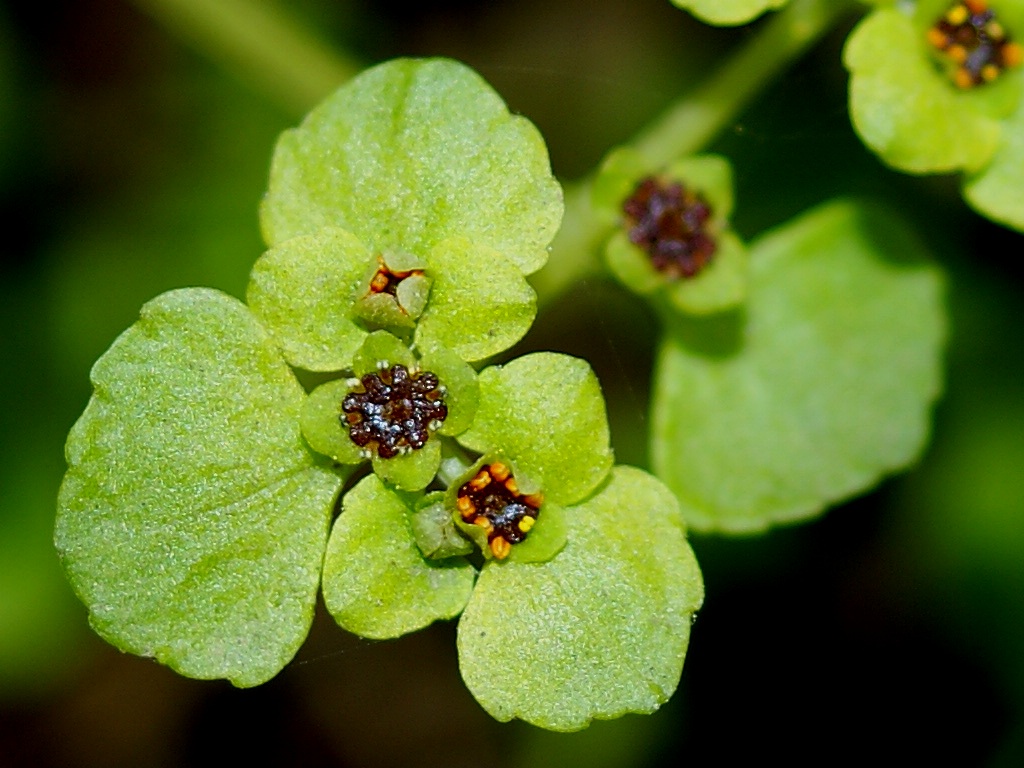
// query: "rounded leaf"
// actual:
[[728, 12], [998, 191], [411, 153], [192, 520], [546, 413], [600, 630], [303, 291], [819, 388], [377, 583], [480, 304]]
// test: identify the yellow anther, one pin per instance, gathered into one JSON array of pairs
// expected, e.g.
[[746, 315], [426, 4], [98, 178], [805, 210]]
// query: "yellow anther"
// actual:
[[466, 507], [957, 15], [534, 500], [937, 38], [482, 480], [527, 523], [500, 548], [1012, 54], [499, 471], [957, 53], [995, 30]]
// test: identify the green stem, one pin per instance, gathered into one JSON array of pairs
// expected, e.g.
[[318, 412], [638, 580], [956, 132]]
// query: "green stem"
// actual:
[[262, 44], [688, 126]]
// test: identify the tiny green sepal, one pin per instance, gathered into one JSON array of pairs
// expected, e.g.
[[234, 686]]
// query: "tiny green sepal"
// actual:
[[435, 530], [599, 630], [376, 581], [410, 471], [323, 423], [192, 520], [381, 350], [728, 12], [714, 285]]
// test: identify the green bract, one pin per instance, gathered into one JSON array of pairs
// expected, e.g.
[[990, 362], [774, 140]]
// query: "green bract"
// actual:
[[728, 12], [192, 520], [906, 107], [416, 165], [596, 632], [719, 285], [822, 385]]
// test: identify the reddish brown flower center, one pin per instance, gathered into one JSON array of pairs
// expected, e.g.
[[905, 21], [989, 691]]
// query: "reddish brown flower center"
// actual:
[[668, 221], [975, 44], [492, 501], [386, 280], [394, 410]]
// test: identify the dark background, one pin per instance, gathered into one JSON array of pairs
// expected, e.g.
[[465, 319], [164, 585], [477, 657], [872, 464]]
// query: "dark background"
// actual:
[[132, 158]]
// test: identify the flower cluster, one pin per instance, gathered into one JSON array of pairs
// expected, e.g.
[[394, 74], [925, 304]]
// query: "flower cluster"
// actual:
[[402, 218]]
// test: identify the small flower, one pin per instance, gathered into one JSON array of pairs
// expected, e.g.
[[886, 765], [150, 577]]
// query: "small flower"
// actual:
[[491, 500], [391, 410], [937, 87], [434, 247], [672, 236]]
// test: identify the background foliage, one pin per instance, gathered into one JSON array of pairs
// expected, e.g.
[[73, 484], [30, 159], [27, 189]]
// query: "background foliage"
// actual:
[[132, 158]]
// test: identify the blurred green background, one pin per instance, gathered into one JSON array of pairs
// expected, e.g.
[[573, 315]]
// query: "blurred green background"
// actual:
[[133, 153]]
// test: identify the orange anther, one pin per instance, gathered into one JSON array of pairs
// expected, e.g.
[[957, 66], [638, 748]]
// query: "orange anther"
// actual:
[[500, 548], [1012, 54], [499, 471], [481, 481]]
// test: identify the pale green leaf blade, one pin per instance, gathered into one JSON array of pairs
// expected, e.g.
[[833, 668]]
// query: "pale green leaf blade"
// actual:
[[600, 630], [824, 385], [377, 583], [998, 191], [545, 413], [303, 291], [412, 152], [480, 304], [192, 520], [728, 12]]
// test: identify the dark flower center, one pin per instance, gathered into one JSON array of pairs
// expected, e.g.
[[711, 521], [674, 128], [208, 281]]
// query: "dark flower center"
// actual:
[[668, 221], [394, 410], [970, 37], [386, 280], [492, 501]]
